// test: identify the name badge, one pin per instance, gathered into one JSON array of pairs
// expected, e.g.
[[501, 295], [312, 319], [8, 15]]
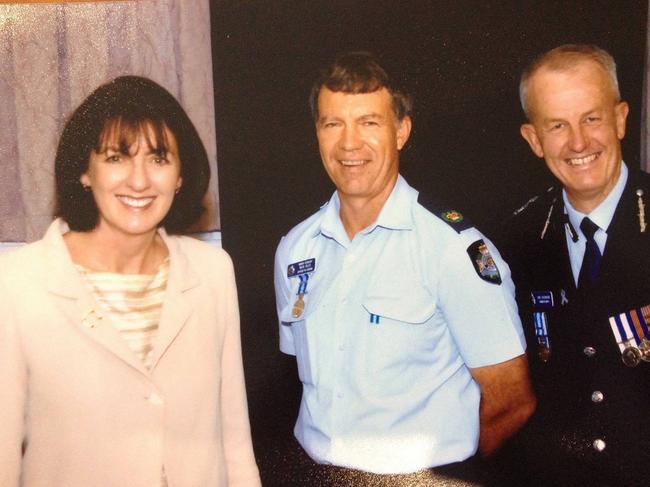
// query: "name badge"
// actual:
[[542, 299], [302, 267]]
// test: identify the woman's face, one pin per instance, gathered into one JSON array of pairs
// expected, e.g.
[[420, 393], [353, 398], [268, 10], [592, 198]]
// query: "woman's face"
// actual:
[[134, 189]]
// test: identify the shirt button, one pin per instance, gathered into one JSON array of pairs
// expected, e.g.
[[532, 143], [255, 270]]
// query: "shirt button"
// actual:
[[339, 395], [589, 351], [155, 399], [341, 348], [597, 396], [599, 445]]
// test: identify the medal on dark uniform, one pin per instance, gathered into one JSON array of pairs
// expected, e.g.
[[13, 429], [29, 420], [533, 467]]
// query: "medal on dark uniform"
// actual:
[[644, 347], [632, 335], [543, 352], [298, 306], [631, 356], [541, 328]]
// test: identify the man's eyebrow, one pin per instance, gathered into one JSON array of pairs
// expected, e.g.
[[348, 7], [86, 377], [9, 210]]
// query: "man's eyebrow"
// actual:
[[550, 120], [324, 118], [365, 116], [592, 111], [371, 115]]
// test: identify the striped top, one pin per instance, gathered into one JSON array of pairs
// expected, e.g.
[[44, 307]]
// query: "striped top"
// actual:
[[133, 303]]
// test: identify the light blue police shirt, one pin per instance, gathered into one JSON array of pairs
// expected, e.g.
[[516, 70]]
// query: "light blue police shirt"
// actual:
[[392, 320]]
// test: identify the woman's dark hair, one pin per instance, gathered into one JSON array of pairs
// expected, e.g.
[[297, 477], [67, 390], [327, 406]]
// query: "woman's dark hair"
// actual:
[[120, 110]]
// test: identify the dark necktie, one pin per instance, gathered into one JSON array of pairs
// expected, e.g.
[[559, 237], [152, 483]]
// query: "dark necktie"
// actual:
[[591, 262]]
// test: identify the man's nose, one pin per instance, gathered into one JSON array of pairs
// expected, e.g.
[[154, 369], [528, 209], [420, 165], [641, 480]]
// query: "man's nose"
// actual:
[[578, 139], [350, 139]]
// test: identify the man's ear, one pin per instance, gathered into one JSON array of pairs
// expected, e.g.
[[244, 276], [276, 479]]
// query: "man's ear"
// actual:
[[620, 111], [403, 131], [529, 133]]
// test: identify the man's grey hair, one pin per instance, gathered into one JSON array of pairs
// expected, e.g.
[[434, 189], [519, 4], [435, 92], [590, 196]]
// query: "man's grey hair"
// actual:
[[565, 58]]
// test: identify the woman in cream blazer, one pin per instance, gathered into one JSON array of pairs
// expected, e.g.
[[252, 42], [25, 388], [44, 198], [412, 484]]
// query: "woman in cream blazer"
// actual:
[[77, 407]]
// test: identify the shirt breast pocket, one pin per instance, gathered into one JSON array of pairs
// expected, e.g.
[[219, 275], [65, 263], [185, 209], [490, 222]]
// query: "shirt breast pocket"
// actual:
[[401, 341], [406, 302]]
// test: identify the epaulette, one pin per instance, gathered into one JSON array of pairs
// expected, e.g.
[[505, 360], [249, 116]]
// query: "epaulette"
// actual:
[[542, 206], [454, 218], [532, 200]]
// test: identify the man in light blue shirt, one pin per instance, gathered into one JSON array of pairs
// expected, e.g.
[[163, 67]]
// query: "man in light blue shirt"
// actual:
[[402, 320]]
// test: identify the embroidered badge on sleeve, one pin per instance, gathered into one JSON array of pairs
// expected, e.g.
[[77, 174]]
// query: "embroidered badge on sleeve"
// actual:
[[483, 262]]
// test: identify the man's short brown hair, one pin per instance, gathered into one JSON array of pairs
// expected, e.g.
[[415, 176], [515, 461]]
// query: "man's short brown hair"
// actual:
[[359, 72]]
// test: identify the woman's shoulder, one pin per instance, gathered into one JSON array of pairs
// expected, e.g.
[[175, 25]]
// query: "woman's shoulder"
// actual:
[[22, 270], [197, 250], [23, 256]]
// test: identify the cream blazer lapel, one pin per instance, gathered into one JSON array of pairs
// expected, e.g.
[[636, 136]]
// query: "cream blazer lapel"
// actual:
[[76, 302], [177, 307]]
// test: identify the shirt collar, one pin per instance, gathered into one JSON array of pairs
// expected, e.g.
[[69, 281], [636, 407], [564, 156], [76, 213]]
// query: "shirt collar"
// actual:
[[603, 214], [394, 215]]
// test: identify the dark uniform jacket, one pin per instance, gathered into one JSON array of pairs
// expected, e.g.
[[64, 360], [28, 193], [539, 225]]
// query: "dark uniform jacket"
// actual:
[[592, 424]]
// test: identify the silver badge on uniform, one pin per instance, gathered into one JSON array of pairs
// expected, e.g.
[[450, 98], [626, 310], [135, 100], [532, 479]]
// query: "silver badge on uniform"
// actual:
[[632, 335]]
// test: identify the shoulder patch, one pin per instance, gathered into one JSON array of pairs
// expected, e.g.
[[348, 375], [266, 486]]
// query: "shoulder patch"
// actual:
[[483, 262], [454, 218]]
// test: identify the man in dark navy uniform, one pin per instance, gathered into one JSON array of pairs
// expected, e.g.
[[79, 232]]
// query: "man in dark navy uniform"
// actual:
[[580, 258]]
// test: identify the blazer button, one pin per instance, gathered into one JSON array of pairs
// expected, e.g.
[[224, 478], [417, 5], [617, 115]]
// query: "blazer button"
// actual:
[[155, 399], [599, 445], [91, 319], [589, 351], [597, 396]]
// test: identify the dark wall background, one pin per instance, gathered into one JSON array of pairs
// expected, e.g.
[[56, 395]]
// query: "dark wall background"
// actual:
[[461, 60]]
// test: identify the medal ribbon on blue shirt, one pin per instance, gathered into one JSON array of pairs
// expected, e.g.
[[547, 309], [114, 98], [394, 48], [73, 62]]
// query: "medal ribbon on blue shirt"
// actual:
[[632, 335], [302, 288], [302, 270], [299, 305]]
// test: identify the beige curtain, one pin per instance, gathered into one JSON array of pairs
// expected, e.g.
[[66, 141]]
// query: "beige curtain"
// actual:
[[53, 55]]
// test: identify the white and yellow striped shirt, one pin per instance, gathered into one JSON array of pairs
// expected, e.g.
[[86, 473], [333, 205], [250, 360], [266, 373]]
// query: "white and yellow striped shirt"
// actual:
[[133, 303]]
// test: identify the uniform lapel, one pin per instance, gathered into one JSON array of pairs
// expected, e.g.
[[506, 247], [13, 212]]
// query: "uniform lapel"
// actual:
[[76, 301], [554, 269], [555, 259], [177, 307], [627, 254], [623, 229]]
